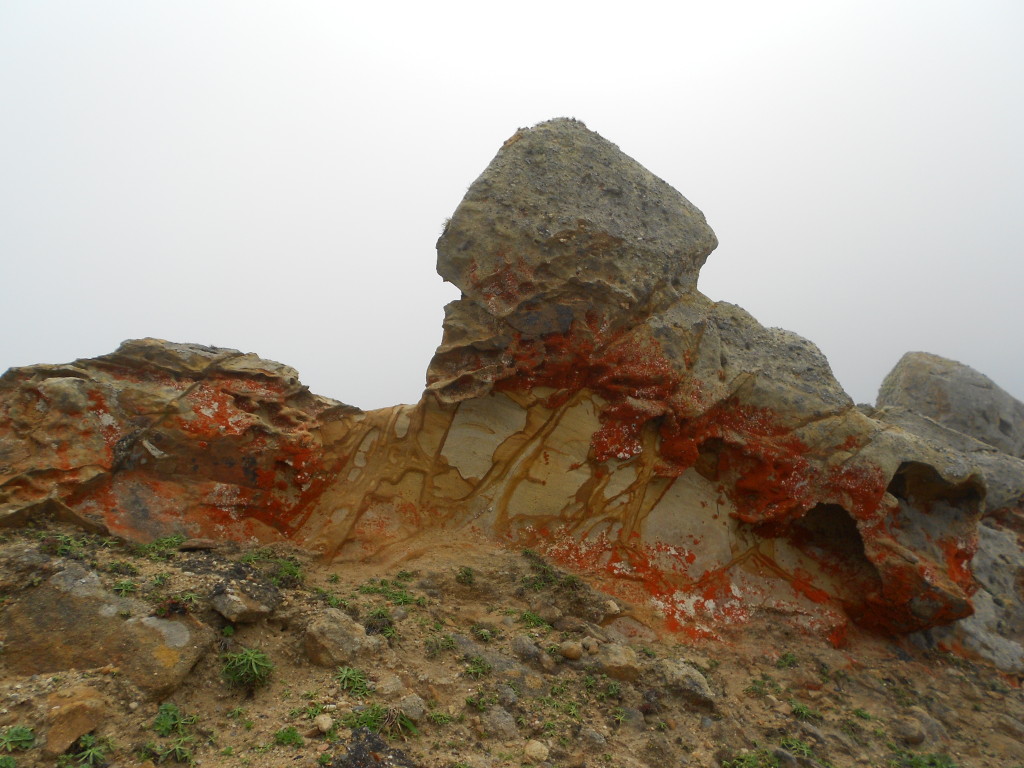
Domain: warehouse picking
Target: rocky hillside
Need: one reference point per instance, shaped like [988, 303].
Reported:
[459, 654]
[625, 524]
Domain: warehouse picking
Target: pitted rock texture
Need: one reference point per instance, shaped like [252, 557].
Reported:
[160, 438]
[562, 234]
[953, 406]
[956, 396]
[585, 401]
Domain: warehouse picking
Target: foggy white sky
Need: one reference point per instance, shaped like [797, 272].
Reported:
[273, 176]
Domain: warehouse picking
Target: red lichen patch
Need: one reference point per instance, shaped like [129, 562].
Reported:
[958, 555]
[107, 425]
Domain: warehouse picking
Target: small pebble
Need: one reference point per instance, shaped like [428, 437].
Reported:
[323, 723]
[535, 751]
[570, 649]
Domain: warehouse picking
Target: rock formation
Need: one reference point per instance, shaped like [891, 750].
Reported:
[951, 404]
[585, 400]
[956, 396]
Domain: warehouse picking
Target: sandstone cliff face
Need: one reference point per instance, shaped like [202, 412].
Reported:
[585, 401]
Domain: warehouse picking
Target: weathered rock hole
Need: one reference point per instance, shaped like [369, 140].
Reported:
[921, 487]
[829, 535]
[708, 458]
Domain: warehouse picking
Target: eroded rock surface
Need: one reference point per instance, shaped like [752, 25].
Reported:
[953, 406]
[69, 621]
[160, 438]
[585, 401]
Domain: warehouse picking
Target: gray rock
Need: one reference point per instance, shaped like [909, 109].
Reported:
[335, 639]
[956, 396]
[535, 751]
[685, 681]
[231, 602]
[499, 723]
[388, 685]
[618, 661]
[413, 707]
[71, 621]
[507, 696]
[571, 649]
[589, 228]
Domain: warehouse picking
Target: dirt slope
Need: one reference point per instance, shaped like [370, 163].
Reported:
[462, 654]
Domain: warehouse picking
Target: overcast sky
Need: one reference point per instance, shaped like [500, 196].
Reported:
[272, 176]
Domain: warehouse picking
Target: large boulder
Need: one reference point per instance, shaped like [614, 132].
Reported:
[956, 396]
[161, 438]
[69, 621]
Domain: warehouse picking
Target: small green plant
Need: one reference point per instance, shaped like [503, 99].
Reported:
[122, 568]
[353, 680]
[179, 750]
[160, 579]
[803, 712]
[170, 720]
[89, 750]
[17, 737]
[163, 548]
[228, 630]
[239, 714]
[481, 702]
[334, 578]
[759, 758]
[286, 572]
[439, 718]
[796, 746]
[63, 545]
[384, 720]
[434, 644]
[288, 737]
[613, 690]
[762, 687]
[619, 715]
[465, 575]
[331, 599]
[482, 633]
[786, 661]
[863, 714]
[228, 751]
[125, 587]
[248, 668]
[477, 667]
[377, 621]
[531, 619]
[324, 758]
[648, 652]
[6, 761]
